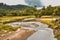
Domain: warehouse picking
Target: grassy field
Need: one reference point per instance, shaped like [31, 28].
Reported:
[15, 18]
[49, 20]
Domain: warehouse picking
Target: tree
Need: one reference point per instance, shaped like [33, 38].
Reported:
[43, 8]
[57, 12]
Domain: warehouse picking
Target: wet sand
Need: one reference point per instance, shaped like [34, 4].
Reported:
[18, 35]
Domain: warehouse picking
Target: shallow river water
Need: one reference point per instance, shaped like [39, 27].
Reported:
[42, 30]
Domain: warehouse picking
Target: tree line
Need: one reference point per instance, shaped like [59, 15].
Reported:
[49, 10]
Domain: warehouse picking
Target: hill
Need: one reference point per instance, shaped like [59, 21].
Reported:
[18, 7]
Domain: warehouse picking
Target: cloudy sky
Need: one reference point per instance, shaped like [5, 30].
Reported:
[44, 2]
[13, 2]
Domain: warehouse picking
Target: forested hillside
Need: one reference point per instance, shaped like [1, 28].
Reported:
[22, 10]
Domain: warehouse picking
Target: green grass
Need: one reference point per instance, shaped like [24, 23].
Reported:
[46, 21]
[47, 16]
[50, 23]
[14, 18]
[4, 28]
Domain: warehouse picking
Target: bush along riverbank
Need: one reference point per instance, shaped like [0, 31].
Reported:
[4, 29]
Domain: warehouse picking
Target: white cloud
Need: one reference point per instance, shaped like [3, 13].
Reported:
[13, 2]
[45, 2]
[51, 2]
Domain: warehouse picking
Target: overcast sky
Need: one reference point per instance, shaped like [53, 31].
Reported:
[45, 2]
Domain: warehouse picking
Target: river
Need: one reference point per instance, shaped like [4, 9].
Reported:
[42, 30]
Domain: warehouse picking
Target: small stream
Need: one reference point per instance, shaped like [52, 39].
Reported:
[42, 30]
